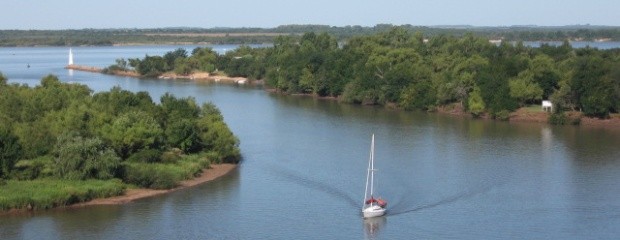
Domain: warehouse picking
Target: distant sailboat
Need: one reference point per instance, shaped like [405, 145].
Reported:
[70, 57]
[373, 207]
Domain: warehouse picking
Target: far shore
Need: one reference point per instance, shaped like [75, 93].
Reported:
[521, 115]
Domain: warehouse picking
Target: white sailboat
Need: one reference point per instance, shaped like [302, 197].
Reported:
[373, 207]
[70, 57]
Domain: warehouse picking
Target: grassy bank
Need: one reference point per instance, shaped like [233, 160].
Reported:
[49, 193]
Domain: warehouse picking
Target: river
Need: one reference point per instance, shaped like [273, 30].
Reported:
[304, 168]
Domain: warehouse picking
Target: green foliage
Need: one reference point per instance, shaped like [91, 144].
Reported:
[121, 65]
[57, 138]
[502, 115]
[79, 158]
[204, 59]
[184, 135]
[561, 118]
[164, 176]
[594, 83]
[10, 151]
[172, 56]
[49, 193]
[146, 156]
[108, 37]
[558, 119]
[475, 103]
[217, 137]
[3, 79]
[396, 66]
[131, 132]
[29, 169]
[60, 130]
[525, 89]
[150, 66]
[153, 175]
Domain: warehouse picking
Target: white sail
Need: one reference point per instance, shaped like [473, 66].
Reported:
[70, 56]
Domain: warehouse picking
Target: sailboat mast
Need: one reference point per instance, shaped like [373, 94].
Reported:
[372, 165]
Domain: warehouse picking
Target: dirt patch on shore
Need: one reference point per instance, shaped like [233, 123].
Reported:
[612, 123]
[205, 76]
[524, 115]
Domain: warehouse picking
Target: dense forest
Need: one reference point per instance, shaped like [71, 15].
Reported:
[60, 143]
[104, 37]
[402, 69]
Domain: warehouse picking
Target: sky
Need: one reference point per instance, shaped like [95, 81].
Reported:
[79, 14]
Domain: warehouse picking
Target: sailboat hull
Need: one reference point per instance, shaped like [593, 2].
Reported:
[373, 211]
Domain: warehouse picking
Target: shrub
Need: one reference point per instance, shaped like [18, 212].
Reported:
[165, 175]
[152, 175]
[558, 119]
[503, 115]
[170, 157]
[33, 168]
[146, 156]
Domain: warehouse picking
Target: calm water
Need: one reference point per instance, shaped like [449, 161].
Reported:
[303, 172]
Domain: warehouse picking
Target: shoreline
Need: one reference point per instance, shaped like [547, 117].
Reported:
[198, 76]
[518, 116]
[214, 172]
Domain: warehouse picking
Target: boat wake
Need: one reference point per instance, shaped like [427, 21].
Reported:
[402, 207]
[298, 178]
[399, 207]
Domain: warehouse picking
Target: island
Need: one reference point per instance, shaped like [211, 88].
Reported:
[61, 144]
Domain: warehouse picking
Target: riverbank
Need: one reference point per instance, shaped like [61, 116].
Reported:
[199, 76]
[535, 115]
[205, 76]
[214, 172]
[101, 70]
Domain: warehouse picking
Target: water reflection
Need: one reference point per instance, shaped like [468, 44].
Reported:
[373, 226]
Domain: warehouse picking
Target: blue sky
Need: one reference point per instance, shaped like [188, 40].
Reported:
[78, 14]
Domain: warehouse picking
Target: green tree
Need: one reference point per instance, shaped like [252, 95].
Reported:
[307, 82]
[10, 151]
[151, 66]
[216, 136]
[131, 132]
[545, 74]
[592, 86]
[183, 134]
[562, 97]
[79, 158]
[475, 102]
[524, 88]
[171, 57]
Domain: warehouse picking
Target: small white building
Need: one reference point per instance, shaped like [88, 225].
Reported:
[547, 106]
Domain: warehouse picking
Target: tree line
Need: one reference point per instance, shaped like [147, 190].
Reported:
[63, 131]
[406, 70]
[105, 37]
